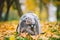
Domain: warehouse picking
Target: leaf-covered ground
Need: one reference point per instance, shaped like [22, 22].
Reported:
[51, 31]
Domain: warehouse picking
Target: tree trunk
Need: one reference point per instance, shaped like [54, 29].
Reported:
[1, 8]
[58, 11]
[9, 3]
[0, 13]
[7, 13]
[52, 12]
[41, 5]
[18, 6]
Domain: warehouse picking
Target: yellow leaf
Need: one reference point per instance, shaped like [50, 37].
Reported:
[12, 37]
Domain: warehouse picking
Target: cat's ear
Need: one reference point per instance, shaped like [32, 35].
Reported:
[22, 18]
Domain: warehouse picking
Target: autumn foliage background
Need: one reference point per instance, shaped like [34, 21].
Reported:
[11, 11]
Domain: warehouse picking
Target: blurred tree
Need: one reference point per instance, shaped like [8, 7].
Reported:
[1, 8]
[40, 2]
[18, 6]
[57, 3]
[43, 9]
[43, 3]
[58, 10]
[52, 9]
[9, 3]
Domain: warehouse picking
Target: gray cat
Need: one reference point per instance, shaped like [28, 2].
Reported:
[29, 23]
